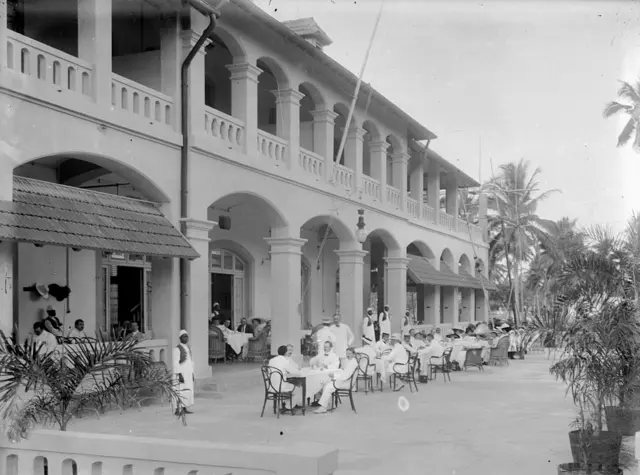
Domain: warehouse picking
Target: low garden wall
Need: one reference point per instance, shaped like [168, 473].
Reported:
[75, 453]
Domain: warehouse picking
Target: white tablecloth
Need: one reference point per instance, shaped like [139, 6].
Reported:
[237, 340]
[315, 379]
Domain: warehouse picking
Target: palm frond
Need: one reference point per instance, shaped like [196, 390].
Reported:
[613, 108]
[627, 132]
[628, 92]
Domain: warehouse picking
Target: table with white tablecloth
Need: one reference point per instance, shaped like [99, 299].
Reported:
[237, 340]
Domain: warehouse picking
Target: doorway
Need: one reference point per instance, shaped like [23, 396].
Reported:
[128, 285]
[222, 292]
[228, 284]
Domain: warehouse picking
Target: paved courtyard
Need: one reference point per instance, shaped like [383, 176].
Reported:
[479, 424]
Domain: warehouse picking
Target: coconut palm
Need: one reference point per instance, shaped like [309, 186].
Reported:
[631, 130]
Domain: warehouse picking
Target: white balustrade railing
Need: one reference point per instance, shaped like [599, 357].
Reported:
[54, 67]
[343, 176]
[462, 225]
[224, 128]
[272, 147]
[412, 207]
[141, 100]
[371, 187]
[393, 196]
[56, 452]
[312, 163]
[447, 220]
[428, 213]
[476, 232]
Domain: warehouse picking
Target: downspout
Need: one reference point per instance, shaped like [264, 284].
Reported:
[205, 10]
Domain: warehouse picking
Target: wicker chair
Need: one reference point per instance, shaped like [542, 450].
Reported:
[499, 354]
[273, 390]
[258, 348]
[473, 358]
[363, 373]
[442, 365]
[217, 345]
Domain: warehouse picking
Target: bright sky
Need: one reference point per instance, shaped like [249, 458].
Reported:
[525, 78]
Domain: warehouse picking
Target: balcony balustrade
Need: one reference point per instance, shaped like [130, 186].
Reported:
[228, 130]
[342, 176]
[312, 163]
[272, 147]
[412, 207]
[371, 187]
[393, 196]
[447, 221]
[134, 98]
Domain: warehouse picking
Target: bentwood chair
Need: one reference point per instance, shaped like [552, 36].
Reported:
[441, 365]
[363, 373]
[406, 372]
[473, 359]
[273, 379]
[335, 400]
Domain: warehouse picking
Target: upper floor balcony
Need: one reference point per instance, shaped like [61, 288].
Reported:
[252, 99]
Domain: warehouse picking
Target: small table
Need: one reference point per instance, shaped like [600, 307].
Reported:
[300, 381]
[318, 378]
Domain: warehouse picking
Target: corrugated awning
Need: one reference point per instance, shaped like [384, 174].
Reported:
[49, 213]
[470, 280]
[487, 283]
[421, 271]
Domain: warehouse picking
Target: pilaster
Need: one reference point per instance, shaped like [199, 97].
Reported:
[396, 288]
[7, 249]
[198, 294]
[417, 185]
[452, 198]
[351, 262]
[354, 154]
[286, 261]
[433, 188]
[170, 64]
[450, 303]
[323, 136]
[481, 308]
[378, 152]
[196, 74]
[94, 45]
[288, 121]
[399, 162]
[244, 101]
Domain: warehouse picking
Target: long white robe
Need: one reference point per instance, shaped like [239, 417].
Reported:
[385, 324]
[368, 331]
[406, 325]
[344, 339]
[186, 369]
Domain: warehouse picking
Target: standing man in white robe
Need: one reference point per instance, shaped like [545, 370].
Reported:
[344, 337]
[406, 323]
[325, 334]
[384, 321]
[185, 373]
[368, 329]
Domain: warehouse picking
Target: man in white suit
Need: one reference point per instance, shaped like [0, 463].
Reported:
[339, 380]
[344, 337]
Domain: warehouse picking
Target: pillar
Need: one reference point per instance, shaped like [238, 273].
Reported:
[379, 165]
[482, 314]
[366, 283]
[196, 72]
[244, 102]
[7, 249]
[451, 203]
[433, 188]
[396, 289]
[323, 130]
[467, 304]
[3, 33]
[198, 295]
[431, 304]
[354, 154]
[286, 259]
[482, 216]
[450, 304]
[399, 162]
[94, 45]
[351, 263]
[170, 64]
[288, 122]
[417, 185]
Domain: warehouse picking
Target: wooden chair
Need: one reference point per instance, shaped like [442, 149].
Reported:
[409, 375]
[217, 345]
[363, 373]
[273, 390]
[499, 354]
[335, 400]
[442, 365]
[258, 348]
[473, 359]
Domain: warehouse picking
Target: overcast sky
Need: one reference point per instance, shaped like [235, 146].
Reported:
[525, 78]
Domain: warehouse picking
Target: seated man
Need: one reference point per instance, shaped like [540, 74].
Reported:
[293, 366]
[340, 379]
[136, 334]
[419, 342]
[78, 330]
[327, 359]
[383, 346]
[45, 340]
[434, 349]
[438, 335]
[398, 359]
[282, 363]
[244, 327]
[407, 344]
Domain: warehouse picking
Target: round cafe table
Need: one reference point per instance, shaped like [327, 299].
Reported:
[311, 382]
[237, 341]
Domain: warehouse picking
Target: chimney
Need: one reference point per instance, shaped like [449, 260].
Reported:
[308, 29]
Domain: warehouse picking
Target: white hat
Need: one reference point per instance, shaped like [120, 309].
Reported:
[327, 320]
[503, 326]
[182, 332]
[395, 336]
[43, 290]
[369, 310]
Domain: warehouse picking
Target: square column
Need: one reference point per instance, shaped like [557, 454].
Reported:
[354, 154]
[244, 102]
[170, 63]
[417, 185]
[482, 311]
[3, 32]
[7, 248]
[94, 45]
[286, 261]
[351, 263]
[452, 199]
[450, 304]
[379, 165]
[399, 162]
[396, 289]
[323, 131]
[433, 188]
[198, 295]
[196, 73]
[288, 121]
[467, 304]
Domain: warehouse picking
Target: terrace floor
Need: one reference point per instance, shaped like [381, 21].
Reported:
[479, 424]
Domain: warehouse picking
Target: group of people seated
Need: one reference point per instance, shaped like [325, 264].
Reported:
[219, 321]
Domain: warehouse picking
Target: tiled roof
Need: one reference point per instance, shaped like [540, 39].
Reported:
[422, 272]
[48, 213]
[487, 283]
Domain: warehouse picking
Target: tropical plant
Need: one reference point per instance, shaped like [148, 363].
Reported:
[630, 94]
[50, 388]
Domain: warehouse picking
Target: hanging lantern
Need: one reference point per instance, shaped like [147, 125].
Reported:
[361, 233]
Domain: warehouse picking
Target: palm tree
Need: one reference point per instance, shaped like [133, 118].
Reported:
[631, 94]
[513, 219]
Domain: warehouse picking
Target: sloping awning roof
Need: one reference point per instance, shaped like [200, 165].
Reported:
[422, 272]
[471, 281]
[48, 213]
[487, 283]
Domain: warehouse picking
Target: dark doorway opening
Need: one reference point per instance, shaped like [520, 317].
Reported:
[130, 301]
[222, 293]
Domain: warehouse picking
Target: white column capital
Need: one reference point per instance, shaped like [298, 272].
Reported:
[284, 96]
[351, 256]
[400, 157]
[396, 262]
[356, 132]
[286, 245]
[379, 146]
[244, 71]
[197, 229]
[190, 38]
[324, 116]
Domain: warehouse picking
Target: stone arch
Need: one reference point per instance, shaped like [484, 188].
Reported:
[480, 267]
[69, 467]
[312, 101]
[233, 44]
[137, 178]
[314, 94]
[465, 263]
[420, 248]
[446, 256]
[273, 67]
[345, 235]
[223, 52]
[238, 199]
[395, 142]
[391, 243]
[372, 131]
[12, 464]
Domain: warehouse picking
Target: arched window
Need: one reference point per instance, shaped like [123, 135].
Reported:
[228, 284]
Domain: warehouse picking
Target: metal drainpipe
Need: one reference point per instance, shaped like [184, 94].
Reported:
[184, 157]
